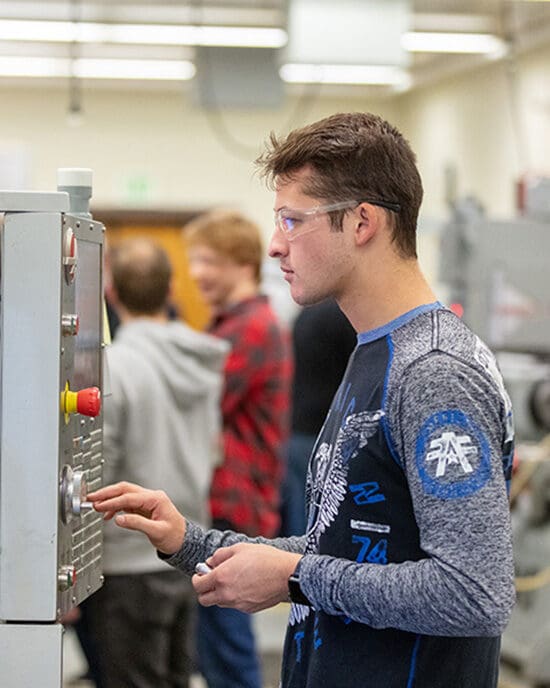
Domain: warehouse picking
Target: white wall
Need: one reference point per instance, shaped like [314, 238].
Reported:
[475, 124]
[468, 122]
[162, 138]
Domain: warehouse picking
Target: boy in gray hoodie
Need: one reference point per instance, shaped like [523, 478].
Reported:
[162, 427]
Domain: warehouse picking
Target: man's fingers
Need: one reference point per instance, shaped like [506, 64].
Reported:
[222, 554]
[202, 584]
[148, 511]
[112, 491]
[153, 529]
[207, 592]
[209, 599]
[131, 501]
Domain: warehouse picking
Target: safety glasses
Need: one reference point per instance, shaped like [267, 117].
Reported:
[295, 223]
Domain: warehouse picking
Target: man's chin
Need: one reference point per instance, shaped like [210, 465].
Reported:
[306, 299]
[210, 299]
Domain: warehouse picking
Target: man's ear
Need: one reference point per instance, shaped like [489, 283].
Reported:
[366, 223]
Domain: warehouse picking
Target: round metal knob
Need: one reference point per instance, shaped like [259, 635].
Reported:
[70, 324]
[66, 577]
[73, 494]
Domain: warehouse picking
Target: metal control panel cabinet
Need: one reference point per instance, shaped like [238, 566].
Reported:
[51, 358]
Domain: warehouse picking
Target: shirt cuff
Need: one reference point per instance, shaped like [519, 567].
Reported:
[190, 553]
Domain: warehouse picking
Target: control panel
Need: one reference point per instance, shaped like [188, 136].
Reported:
[80, 421]
[51, 429]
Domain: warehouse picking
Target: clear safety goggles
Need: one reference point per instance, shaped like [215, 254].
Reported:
[294, 223]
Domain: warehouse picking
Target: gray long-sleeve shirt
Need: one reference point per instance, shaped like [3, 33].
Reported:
[407, 558]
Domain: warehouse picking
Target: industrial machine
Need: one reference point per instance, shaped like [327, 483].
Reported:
[51, 364]
[497, 278]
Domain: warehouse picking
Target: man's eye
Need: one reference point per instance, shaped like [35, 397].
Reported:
[291, 223]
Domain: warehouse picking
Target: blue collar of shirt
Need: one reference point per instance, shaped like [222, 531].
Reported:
[383, 330]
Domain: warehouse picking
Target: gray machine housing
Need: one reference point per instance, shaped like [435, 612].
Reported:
[497, 271]
[51, 333]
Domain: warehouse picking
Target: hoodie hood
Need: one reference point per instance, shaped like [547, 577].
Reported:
[189, 362]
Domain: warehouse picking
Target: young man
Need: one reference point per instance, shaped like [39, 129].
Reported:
[225, 255]
[162, 424]
[404, 577]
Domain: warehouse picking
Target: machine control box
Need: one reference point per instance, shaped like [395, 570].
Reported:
[51, 429]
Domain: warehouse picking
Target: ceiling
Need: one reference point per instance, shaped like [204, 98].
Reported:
[521, 24]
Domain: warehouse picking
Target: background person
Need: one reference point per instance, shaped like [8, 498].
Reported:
[322, 341]
[405, 575]
[225, 255]
[161, 428]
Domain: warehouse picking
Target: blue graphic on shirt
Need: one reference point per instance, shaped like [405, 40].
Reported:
[327, 481]
[452, 455]
[298, 638]
[367, 493]
[317, 640]
[373, 554]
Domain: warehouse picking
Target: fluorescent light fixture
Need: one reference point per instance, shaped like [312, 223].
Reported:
[52, 67]
[152, 34]
[343, 74]
[361, 32]
[434, 42]
[169, 70]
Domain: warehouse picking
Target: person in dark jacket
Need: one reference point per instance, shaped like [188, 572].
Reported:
[323, 340]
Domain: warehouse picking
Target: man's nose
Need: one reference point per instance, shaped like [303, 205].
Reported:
[195, 269]
[278, 245]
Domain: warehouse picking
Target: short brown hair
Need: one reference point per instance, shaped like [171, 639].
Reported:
[229, 233]
[141, 272]
[353, 156]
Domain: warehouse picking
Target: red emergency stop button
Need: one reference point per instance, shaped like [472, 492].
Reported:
[85, 401]
[88, 401]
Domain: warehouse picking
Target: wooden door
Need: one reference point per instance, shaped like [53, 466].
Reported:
[166, 229]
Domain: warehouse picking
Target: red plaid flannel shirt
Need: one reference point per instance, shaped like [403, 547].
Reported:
[256, 407]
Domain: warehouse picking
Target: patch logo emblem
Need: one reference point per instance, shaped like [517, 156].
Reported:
[451, 448]
[452, 455]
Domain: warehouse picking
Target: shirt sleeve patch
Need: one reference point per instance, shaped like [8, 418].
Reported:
[452, 455]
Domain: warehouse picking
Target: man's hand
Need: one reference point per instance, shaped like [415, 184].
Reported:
[149, 511]
[247, 577]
